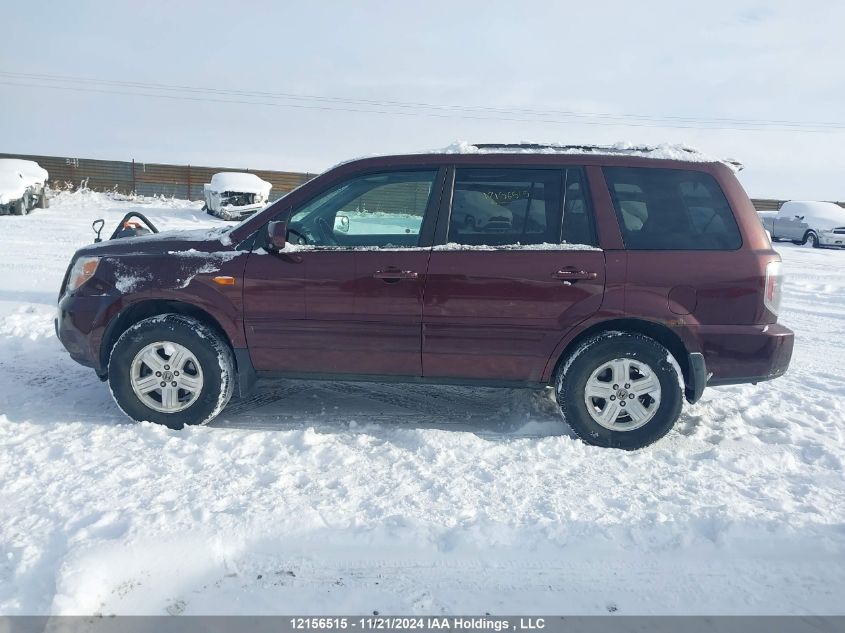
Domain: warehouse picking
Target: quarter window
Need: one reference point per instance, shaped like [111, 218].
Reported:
[671, 209]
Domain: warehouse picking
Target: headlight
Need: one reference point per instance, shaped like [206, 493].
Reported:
[83, 269]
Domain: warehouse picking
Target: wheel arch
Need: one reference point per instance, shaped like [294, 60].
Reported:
[657, 331]
[141, 310]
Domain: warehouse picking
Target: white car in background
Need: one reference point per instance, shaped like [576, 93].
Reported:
[807, 222]
[23, 186]
[235, 195]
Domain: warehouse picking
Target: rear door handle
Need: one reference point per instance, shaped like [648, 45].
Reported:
[394, 274]
[572, 274]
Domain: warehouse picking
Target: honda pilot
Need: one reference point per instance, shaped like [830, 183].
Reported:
[626, 280]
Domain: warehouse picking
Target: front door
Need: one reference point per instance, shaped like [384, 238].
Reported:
[346, 297]
[516, 273]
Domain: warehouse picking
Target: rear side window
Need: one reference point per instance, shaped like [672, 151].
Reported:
[499, 207]
[671, 209]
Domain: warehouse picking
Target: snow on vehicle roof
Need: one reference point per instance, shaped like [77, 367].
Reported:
[826, 211]
[663, 151]
[29, 169]
[240, 182]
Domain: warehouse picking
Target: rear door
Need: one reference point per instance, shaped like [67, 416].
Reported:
[516, 268]
[348, 300]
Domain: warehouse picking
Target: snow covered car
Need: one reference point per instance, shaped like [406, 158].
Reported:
[626, 280]
[23, 186]
[234, 195]
[807, 222]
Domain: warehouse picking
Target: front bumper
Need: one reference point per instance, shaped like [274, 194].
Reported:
[80, 323]
[736, 354]
[832, 239]
[238, 213]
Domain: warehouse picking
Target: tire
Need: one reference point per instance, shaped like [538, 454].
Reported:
[149, 345]
[19, 207]
[595, 362]
[812, 239]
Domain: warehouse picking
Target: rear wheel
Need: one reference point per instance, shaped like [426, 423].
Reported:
[619, 390]
[172, 370]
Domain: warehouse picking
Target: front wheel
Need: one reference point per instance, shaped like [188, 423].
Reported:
[619, 390]
[172, 370]
[812, 239]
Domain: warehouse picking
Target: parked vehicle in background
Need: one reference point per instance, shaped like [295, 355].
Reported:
[807, 222]
[23, 186]
[626, 280]
[234, 195]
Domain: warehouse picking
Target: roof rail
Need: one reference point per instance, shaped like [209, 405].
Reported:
[601, 149]
[598, 149]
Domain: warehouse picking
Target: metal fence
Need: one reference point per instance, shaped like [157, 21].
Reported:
[150, 179]
[184, 181]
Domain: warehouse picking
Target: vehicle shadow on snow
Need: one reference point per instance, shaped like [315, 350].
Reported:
[329, 406]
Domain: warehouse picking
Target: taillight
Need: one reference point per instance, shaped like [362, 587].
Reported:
[774, 284]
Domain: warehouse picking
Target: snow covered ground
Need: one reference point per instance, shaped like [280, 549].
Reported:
[353, 498]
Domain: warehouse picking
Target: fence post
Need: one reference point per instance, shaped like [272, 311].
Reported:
[134, 186]
[189, 183]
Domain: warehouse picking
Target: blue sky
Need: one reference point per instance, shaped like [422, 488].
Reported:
[700, 63]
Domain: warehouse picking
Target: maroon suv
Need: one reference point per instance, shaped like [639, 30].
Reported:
[625, 281]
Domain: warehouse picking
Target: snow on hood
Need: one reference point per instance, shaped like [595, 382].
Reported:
[31, 171]
[240, 182]
[12, 185]
[214, 238]
[819, 215]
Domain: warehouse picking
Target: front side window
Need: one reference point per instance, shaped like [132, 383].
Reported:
[383, 210]
[671, 209]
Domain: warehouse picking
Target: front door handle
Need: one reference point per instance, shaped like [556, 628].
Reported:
[394, 274]
[573, 274]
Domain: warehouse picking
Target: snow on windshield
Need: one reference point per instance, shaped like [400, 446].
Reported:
[12, 185]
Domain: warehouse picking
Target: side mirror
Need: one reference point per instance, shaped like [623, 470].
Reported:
[277, 235]
[341, 223]
[799, 217]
